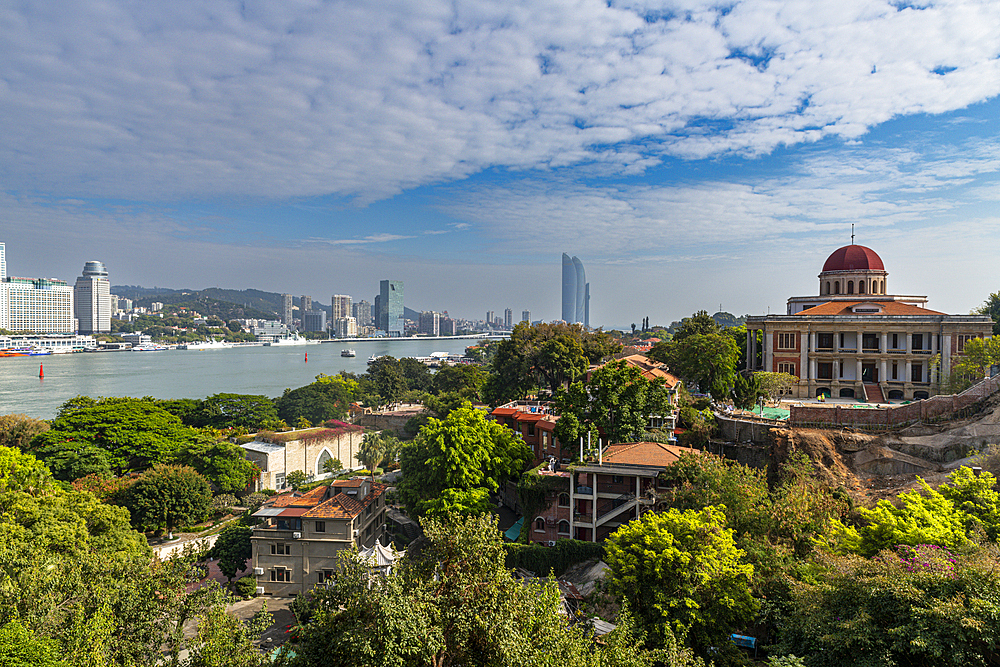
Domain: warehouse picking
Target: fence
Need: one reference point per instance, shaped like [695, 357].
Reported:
[894, 416]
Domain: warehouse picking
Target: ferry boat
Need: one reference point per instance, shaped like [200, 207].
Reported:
[375, 357]
[149, 347]
[348, 353]
[205, 345]
[294, 339]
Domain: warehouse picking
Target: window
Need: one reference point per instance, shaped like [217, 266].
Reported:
[281, 549]
[279, 480]
[324, 575]
[539, 525]
[963, 339]
[786, 368]
[563, 500]
[895, 341]
[617, 479]
[531, 429]
[918, 341]
[850, 287]
[824, 370]
[836, 287]
[289, 524]
[824, 340]
[281, 574]
[917, 373]
[564, 527]
[786, 341]
[545, 439]
[861, 287]
[321, 526]
[895, 370]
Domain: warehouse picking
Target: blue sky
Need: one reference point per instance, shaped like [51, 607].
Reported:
[692, 154]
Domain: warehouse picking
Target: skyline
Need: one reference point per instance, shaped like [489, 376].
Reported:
[696, 156]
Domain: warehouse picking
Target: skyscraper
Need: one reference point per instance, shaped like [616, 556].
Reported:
[4, 306]
[92, 299]
[305, 304]
[362, 312]
[390, 304]
[575, 291]
[341, 307]
[430, 323]
[526, 316]
[286, 310]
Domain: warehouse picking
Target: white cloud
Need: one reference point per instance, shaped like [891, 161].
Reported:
[170, 100]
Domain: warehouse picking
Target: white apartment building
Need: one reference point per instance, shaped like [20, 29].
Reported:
[92, 299]
[39, 305]
[341, 307]
[346, 327]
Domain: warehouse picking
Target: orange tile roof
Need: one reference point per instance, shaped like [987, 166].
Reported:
[650, 369]
[342, 506]
[307, 499]
[888, 308]
[645, 453]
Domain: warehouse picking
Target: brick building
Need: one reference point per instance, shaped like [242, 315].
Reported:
[854, 340]
[536, 425]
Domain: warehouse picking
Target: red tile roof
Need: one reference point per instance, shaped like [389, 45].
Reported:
[645, 453]
[343, 506]
[888, 307]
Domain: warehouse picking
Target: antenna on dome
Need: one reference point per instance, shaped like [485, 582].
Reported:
[852, 233]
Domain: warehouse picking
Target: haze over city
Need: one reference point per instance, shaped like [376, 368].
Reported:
[693, 155]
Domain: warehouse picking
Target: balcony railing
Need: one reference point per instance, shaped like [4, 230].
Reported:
[584, 491]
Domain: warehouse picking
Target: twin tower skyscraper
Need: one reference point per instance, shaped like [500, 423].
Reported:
[575, 292]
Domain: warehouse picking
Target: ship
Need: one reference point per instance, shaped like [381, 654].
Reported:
[348, 353]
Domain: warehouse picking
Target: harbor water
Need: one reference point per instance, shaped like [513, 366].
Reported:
[192, 373]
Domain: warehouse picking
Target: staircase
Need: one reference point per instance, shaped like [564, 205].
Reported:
[874, 394]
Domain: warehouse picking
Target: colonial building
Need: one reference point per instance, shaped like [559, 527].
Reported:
[855, 340]
[296, 544]
[598, 497]
[308, 450]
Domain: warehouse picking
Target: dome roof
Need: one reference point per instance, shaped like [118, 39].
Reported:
[853, 258]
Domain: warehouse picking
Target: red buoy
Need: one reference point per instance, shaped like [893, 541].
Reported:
[307, 357]
[41, 371]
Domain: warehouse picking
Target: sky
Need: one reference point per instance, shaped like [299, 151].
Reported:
[694, 155]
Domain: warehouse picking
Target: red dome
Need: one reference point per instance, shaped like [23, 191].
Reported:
[853, 258]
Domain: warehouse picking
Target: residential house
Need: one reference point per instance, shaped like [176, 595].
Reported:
[296, 544]
[308, 450]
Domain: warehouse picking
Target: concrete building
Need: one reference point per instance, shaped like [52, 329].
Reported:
[508, 318]
[286, 310]
[39, 305]
[390, 307]
[306, 450]
[269, 331]
[430, 323]
[314, 320]
[855, 340]
[491, 318]
[92, 299]
[526, 316]
[362, 312]
[305, 305]
[4, 304]
[346, 327]
[446, 326]
[340, 307]
[296, 545]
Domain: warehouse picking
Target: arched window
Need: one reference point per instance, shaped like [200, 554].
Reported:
[836, 287]
[540, 524]
[564, 527]
[850, 287]
[563, 500]
[881, 287]
[861, 287]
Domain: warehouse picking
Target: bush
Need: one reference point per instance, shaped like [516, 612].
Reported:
[222, 502]
[246, 587]
[542, 560]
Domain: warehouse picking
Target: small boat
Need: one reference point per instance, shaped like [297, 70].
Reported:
[348, 353]
[375, 357]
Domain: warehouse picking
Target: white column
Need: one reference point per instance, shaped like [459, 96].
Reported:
[881, 372]
[857, 373]
[812, 369]
[804, 357]
[768, 360]
[908, 375]
[909, 344]
[885, 342]
[750, 354]
[945, 355]
[812, 341]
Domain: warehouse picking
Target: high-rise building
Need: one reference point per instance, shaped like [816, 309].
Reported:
[286, 310]
[4, 312]
[508, 318]
[39, 305]
[340, 307]
[526, 316]
[92, 299]
[446, 327]
[362, 312]
[346, 327]
[575, 291]
[491, 316]
[305, 304]
[430, 323]
[314, 320]
[390, 314]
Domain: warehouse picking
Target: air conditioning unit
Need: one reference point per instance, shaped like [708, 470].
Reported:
[258, 571]
[296, 536]
[260, 590]
[356, 531]
[551, 543]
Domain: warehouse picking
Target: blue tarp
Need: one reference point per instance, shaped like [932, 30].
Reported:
[515, 530]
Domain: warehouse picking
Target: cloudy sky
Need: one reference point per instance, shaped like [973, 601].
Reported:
[692, 154]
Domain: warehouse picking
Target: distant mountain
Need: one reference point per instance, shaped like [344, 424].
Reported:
[222, 303]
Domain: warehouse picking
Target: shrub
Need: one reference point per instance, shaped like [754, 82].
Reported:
[543, 560]
[246, 587]
[222, 502]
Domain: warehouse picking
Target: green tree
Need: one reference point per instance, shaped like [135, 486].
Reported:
[617, 400]
[991, 307]
[387, 379]
[455, 603]
[18, 430]
[133, 434]
[455, 463]
[233, 548]
[376, 448]
[774, 385]
[329, 397]
[747, 390]
[19, 647]
[295, 479]
[417, 375]
[976, 496]
[699, 324]
[222, 462]
[706, 360]
[332, 466]
[168, 496]
[465, 379]
[977, 357]
[683, 571]
[237, 411]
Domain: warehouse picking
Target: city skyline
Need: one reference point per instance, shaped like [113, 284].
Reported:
[717, 150]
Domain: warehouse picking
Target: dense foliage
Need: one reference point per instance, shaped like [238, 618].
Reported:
[167, 496]
[329, 397]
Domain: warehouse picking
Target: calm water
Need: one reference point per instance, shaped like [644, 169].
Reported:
[190, 373]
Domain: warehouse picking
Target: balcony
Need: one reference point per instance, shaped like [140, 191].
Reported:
[871, 350]
[921, 351]
[584, 491]
[896, 351]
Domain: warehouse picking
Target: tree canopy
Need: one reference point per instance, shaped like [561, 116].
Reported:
[454, 463]
[706, 360]
[167, 496]
[329, 397]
